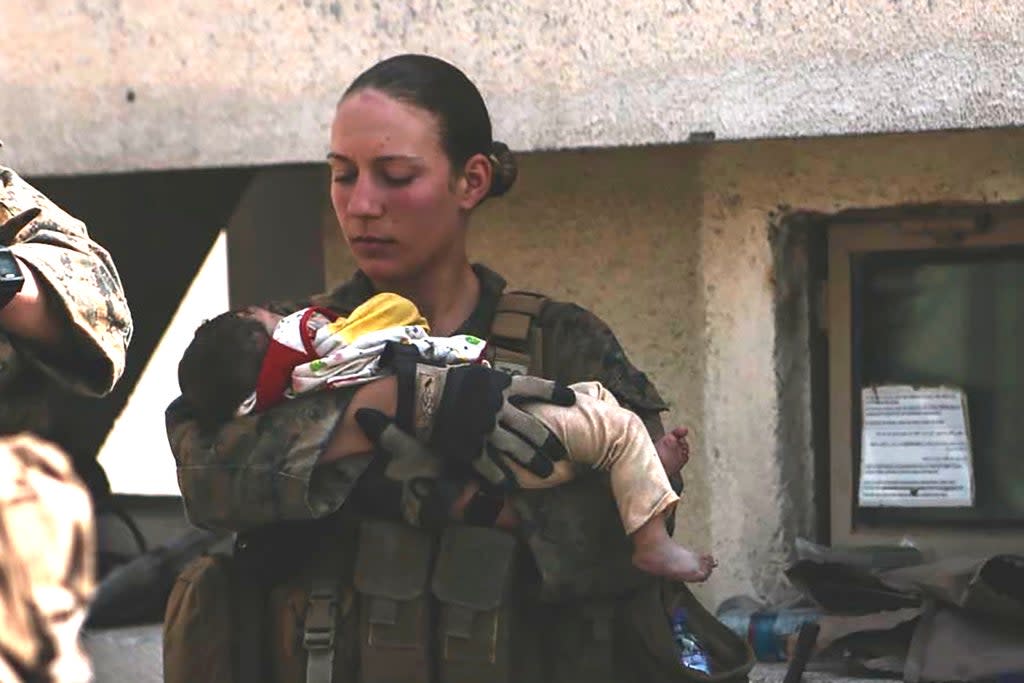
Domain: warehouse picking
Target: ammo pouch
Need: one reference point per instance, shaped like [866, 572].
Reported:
[476, 625]
[394, 612]
[584, 636]
[198, 642]
[312, 621]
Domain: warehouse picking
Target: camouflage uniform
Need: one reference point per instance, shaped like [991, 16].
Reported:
[46, 532]
[79, 277]
[259, 469]
[46, 563]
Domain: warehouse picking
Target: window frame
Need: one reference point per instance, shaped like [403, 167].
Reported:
[936, 228]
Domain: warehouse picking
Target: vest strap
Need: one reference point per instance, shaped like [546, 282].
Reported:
[516, 342]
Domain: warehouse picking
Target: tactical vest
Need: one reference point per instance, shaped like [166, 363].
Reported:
[343, 600]
[516, 342]
[406, 584]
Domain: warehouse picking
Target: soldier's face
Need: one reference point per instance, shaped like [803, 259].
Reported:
[400, 208]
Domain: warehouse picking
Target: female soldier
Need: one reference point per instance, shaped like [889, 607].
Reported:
[411, 157]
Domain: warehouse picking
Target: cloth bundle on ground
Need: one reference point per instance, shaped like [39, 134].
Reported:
[959, 619]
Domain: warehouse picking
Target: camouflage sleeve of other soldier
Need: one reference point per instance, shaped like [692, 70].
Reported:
[71, 322]
[71, 318]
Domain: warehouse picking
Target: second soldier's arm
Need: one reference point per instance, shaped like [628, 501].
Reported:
[71, 318]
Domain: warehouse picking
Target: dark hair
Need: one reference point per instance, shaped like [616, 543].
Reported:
[221, 366]
[443, 90]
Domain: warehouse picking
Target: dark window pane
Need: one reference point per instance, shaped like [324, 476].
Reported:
[944, 317]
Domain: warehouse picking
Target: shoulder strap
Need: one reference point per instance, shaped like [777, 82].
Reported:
[516, 341]
[320, 628]
[327, 602]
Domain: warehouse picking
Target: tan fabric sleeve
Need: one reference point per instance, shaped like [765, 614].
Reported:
[83, 283]
[47, 551]
[600, 435]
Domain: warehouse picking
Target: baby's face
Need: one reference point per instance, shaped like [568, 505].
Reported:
[268, 319]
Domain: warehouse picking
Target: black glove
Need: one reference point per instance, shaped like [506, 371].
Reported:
[427, 493]
[479, 421]
[519, 436]
[428, 486]
[471, 415]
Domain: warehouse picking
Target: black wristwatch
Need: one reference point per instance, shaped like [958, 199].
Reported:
[11, 277]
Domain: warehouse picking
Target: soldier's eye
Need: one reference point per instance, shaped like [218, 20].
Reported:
[398, 181]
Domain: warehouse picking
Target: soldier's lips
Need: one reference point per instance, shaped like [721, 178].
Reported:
[372, 239]
[372, 245]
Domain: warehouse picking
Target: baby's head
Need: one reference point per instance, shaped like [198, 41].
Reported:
[221, 366]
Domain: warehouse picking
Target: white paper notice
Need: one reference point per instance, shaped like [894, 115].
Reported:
[915, 448]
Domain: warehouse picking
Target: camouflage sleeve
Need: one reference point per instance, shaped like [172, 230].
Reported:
[81, 281]
[579, 346]
[262, 468]
[47, 546]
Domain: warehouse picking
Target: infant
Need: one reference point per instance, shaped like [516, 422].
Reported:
[247, 361]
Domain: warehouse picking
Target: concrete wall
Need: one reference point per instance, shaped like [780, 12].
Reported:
[756, 424]
[682, 250]
[105, 85]
[274, 235]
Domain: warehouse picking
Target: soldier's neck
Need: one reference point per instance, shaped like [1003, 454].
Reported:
[445, 297]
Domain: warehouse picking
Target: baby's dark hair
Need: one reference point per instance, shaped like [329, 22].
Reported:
[221, 366]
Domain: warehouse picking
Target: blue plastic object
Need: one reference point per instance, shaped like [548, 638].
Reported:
[691, 652]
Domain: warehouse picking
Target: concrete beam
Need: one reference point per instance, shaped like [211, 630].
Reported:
[114, 85]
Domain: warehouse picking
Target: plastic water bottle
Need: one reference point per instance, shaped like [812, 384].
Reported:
[770, 632]
[691, 652]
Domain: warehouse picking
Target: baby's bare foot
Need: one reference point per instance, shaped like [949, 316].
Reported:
[674, 562]
[673, 450]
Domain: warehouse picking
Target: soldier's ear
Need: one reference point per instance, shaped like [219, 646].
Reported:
[474, 184]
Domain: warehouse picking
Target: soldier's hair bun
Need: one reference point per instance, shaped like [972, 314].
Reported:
[505, 169]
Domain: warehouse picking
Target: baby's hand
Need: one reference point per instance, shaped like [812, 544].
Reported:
[673, 450]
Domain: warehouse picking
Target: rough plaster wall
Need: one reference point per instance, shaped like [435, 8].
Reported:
[103, 85]
[747, 426]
